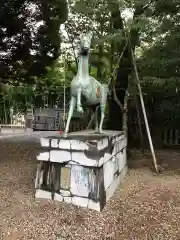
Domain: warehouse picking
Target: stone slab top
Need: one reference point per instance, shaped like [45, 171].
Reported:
[86, 135]
[83, 140]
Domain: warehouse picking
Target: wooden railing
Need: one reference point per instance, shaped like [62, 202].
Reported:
[171, 137]
[12, 127]
[77, 126]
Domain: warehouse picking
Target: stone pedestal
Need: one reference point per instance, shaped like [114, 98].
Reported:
[84, 169]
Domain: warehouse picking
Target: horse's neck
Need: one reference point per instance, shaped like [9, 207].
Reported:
[83, 69]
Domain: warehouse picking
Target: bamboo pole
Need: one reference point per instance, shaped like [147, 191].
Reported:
[144, 112]
[139, 123]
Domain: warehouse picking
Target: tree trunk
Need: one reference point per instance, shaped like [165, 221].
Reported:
[99, 72]
[5, 113]
[100, 55]
[112, 49]
[124, 70]
[125, 114]
[121, 83]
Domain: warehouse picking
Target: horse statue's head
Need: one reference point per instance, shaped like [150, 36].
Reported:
[85, 43]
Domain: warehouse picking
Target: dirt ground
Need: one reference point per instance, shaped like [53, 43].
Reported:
[145, 206]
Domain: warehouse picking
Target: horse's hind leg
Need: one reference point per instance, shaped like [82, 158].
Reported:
[96, 119]
[71, 110]
[94, 116]
[91, 120]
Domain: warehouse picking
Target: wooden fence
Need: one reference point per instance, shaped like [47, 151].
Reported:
[171, 137]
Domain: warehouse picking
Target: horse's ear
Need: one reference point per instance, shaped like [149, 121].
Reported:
[90, 35]
[82, 36]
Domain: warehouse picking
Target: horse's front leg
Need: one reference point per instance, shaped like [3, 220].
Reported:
[104, 93]
[70, 113]
[79, 105]
[103, 106]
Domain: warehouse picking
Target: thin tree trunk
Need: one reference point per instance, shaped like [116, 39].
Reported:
[5, 113]
[73, 48]
[125, 114]
[115, 120]
[135, 98]
[99, 72]
[125, 65]
[112, 48]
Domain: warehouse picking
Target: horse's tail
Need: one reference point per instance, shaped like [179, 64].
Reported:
[106, 87]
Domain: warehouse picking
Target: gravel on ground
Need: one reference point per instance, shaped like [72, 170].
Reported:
[145, 206]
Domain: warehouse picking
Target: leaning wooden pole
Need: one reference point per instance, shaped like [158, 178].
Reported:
[139, 123]
[144, 112]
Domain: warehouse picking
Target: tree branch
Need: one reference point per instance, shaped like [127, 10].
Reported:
[117, 100]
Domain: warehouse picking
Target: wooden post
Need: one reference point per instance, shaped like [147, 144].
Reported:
[144, 112]
[139, 123]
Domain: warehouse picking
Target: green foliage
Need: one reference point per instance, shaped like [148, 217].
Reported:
[163, 96]
[32, 52]
[161, 55]
[29, 37]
